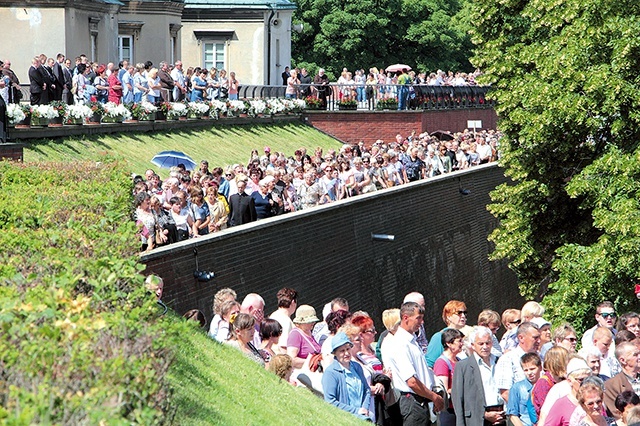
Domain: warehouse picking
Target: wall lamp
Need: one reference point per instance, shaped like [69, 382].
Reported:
[202, 276]
[382, 237]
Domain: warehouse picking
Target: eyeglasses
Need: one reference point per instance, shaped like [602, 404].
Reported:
[570, 339]
[606, 315]
[372, 331]
[592, 403]
[515, 322]
[460, 313]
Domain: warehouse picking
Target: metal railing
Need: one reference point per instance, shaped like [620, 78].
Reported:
[369, 97]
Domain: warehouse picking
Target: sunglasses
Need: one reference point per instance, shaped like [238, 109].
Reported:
[460, 313]
[606, 315]
[571, 339]
[515, 322]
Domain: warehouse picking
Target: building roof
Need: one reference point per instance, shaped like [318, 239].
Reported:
[240, 4]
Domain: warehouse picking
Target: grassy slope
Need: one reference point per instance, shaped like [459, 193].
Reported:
[220, 145]
[217, 385]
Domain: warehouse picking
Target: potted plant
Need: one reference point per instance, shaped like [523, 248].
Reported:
[217, 108]
[347, 104]
[234, 108]
[177, 111]
[61, 108]
[77, 114]
[97, 111]
[163, 110]
[257, 107]
[275, 106]
[144, 111]
[197, 110]
[311, 102]
[115, 113]
[42, 114]
[387, 104]
[17, 115]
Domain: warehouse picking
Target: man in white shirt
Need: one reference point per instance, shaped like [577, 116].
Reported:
[605, 317]
[179, 88]
[411, 376]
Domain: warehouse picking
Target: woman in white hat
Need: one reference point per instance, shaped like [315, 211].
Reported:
[301, 343]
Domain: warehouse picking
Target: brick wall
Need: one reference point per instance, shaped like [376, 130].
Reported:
[354, 126]
[440, 249]
[11, 151]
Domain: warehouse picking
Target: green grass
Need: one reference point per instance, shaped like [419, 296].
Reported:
[217, 385]
[220, 145]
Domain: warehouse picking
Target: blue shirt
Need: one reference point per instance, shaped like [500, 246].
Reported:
[519, 395]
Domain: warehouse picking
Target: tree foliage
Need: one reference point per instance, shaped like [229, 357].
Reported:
[427, 34]
[566, 80]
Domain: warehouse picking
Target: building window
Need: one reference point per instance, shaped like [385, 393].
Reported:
[125, 48]
[174, 43]
[214, 55]
[94, 47]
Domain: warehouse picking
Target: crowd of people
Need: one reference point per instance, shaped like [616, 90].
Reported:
[57, 79]
[464, 374]
[188, 205]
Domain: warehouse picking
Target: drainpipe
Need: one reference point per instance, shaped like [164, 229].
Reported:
[273, 12]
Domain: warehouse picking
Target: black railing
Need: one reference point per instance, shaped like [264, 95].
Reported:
[372, 97]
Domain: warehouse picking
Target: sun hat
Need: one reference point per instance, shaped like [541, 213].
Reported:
[577, 364]
[305, 314]
[540, 322]
[338, 340]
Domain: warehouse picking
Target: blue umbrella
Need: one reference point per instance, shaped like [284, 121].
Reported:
[168, 159]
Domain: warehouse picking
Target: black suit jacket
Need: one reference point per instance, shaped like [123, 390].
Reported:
[36, 80]
[242, 209]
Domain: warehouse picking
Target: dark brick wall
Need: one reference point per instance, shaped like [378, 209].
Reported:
[11, 151]
[354, 126]
[440, 249]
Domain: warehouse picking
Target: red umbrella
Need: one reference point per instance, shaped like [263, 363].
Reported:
[398, 67]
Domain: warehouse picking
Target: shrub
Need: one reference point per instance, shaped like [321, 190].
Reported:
[82, 340]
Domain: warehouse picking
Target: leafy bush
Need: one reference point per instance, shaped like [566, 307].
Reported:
[82, 340]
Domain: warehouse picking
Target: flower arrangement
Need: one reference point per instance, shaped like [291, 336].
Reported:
[388, 103]
[165, 107]
[275, 106]
[143, 110]
[60, 107]
[299, 105]
[311, 102]
[44, 111]
[198, 109]
[178, 109]
[256, 106]
[116, 111]
[97, 108]
[234, 107]
[217, 108]
[15, 113]
[348, 103]
[77, 113]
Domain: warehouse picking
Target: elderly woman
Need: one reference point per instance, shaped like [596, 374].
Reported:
[218, 211]
[301, 344]
[368, 335]
[164, 222]
[262, 198]
[221, 296]
[590, 398]
[444, 368]
[511, 320]
[343, 381]
[242, 331]
[454, 315]
[334, 321]
[154, 86]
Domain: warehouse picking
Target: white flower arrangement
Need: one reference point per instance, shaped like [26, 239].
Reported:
[218, 106]
[257, 106]
[117, 110]
[44, 111]
[148, 107]
[178, 109]
[15, 113]
[237, 106]
[299, 104]
[79, 111]
[199, 108]
[275, 105]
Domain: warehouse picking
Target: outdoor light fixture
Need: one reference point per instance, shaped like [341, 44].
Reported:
[382, 237]
[465, 191]
[202, 276]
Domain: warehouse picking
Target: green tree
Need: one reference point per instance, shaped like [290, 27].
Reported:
[566, 80]
[429, 34]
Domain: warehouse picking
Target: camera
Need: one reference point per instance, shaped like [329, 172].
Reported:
[203, 276]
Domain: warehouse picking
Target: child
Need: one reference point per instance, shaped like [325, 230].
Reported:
[520, 393]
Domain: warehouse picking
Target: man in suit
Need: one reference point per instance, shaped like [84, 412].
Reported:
[627, 354]
[58, 74]
[67, 96]
[285, 76]
[37, 84]
[305, 82]
[242, 207]
[476, 397]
